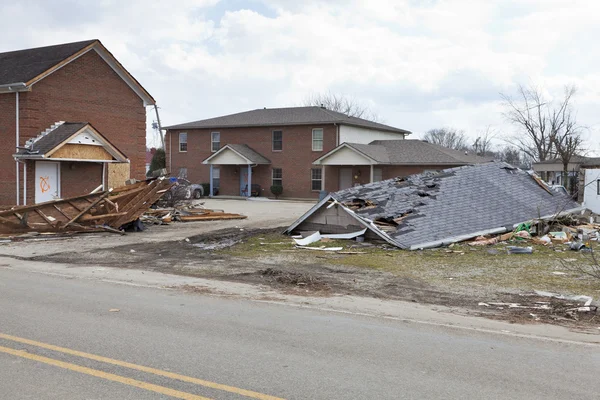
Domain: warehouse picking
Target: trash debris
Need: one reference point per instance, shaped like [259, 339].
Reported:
[114, 310]
[519, 250]
[162, 216]
[320, 248]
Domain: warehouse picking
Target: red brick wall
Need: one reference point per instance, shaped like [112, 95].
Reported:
[86, 90]
[77, 178]
[7, 163]
[295, 159]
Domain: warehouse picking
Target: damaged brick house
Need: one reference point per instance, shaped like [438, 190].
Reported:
[304, 149]
[72, 118]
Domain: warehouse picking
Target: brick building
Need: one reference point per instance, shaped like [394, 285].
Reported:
[304, 149]
[267, 146]
[83, 86]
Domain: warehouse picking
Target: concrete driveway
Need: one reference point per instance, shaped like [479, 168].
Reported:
[261, 214]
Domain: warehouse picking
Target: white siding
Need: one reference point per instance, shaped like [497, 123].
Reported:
[591, 198]
[346, 156]
[354, 134]
[227, 157]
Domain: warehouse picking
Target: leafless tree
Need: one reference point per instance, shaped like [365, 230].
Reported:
[483, 144]
[343, 104]
[529, 114]
[447, 137]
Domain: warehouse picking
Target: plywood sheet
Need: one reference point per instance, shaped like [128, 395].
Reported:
[118, 173]
[82, 152]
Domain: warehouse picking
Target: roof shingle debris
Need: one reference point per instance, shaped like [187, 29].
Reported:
[434, 209]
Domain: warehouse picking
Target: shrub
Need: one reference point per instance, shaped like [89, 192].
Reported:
[158, 161]
[277, 190]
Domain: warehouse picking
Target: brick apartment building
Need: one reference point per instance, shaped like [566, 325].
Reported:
[101, 135]
[304, 149]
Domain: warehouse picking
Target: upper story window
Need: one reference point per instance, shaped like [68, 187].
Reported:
[183, 141]
[317, 139]
[215, 141]
[277, 140]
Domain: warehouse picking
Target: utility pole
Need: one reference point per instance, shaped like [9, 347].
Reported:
[162, 139]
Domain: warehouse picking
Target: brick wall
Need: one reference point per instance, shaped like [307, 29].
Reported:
[85, 90]
[295, 159]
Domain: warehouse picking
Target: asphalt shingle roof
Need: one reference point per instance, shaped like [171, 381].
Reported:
[24, 65]
[285, 117]
[455, 203]
[47, 142]
[399, 152]
[250, 153]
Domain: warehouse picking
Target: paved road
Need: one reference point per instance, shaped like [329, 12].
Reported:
[172, 344]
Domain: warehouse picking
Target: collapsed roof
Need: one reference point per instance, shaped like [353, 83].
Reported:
[435, 209]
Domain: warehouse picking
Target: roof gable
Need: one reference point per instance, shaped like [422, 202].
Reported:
[288, 116]
[21, 69]
[236, 154]
[64, 134]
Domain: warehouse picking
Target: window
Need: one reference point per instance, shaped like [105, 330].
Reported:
[316, 179]
[182, 173]
[182, 141]
[215, 141]
[317, 139]
[277, 177]
[277, 140]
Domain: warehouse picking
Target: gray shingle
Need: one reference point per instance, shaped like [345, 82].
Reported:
[249, 153]
[284, 117]
[464, 201]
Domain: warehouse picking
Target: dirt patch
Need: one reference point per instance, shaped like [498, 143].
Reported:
[461, 276]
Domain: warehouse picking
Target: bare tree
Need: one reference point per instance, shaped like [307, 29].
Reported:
[343, 104]
[483, 144]
[529, 113]
[447, 137]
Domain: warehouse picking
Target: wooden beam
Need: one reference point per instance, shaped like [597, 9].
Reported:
[86, 209]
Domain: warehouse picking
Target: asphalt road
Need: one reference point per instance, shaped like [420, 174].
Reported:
[59, 339]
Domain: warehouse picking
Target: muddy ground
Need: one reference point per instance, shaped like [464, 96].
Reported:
[483, 281]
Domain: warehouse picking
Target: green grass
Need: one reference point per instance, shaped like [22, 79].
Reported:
[464, 268]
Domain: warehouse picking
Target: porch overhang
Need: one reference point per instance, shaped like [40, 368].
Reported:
[236, 154]
[345, 154]
[71, 142]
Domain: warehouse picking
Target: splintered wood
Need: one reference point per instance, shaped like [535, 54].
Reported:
[102, 211]
[166, 215]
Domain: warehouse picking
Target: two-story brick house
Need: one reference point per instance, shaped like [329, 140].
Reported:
[267, 146]
[95, 101]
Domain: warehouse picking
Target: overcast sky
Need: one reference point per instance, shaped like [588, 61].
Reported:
[419, 64]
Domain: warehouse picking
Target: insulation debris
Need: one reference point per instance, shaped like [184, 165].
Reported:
[434, 209]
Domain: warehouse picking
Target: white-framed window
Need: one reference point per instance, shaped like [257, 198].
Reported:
[317, 139]
[215, 141]
[182, 173]
[183, 141]
[316, 179]
[277, 140]
[277, 177]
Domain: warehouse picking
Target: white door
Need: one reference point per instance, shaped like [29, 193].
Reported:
[47, 180]
[345, 178]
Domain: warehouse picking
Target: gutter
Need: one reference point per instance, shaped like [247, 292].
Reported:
[13, 87]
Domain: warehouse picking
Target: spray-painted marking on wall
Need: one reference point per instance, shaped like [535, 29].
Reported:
[44, 183]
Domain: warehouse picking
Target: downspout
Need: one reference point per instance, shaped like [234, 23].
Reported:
[17, 142]
[337, 134]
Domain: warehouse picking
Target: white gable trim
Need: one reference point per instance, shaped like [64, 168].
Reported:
[323, 159]
[238, 160]
[86, 136]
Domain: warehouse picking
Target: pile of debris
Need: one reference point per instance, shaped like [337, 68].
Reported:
[435, 209]
[101, 211]
[164, 216]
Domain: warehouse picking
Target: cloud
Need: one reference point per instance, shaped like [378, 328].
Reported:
[420, 64]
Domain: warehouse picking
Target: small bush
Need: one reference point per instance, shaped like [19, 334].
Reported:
[158, 161]
[276, 190]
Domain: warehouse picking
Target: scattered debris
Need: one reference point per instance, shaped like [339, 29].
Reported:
[519, 250]
[114, 310]
[163, 216]
[101, 211]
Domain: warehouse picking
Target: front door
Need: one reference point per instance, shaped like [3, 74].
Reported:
[345, 178]
[243, 181]
[47, 180]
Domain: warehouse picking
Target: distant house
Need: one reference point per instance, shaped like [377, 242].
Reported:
[352, 164]
[71, 118]
[265, 147]
[552, 170]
